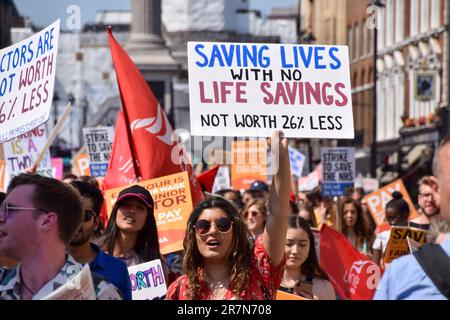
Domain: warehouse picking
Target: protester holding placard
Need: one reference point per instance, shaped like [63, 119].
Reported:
[303, 275]
[38, 218]
[355, 226]
[131, 234]
[84, 251]
[220, 262]
[255, 216]
[425, 274]
[396, 213]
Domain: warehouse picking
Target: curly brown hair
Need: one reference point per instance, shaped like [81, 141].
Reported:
[238, 260]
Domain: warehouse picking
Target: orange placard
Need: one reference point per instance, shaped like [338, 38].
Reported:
[376, 201]
[80, 165]
[173, 206]
[2, 175]
[249, 163]
[281, 295]
[398, 245]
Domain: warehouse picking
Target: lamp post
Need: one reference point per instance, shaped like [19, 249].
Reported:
[373, 149]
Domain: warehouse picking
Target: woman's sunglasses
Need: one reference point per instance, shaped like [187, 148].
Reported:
[223, 225]
[254, 214]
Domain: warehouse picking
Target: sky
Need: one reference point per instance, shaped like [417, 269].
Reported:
[44, 12]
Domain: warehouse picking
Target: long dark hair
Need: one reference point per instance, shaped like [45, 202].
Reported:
[147, 243]
[311, 267]
[239, 258]
[361, 228]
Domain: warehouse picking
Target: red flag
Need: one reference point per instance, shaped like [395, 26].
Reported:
[120, 168]
[206, 179]
[147, 142]
[353, 275]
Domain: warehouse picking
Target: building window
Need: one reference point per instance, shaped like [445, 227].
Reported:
[414, 19]
[364, 32]
[389, 22]
[381, 32]
[399, 20]
[424, 15]
[356, 43]
[371, 40]
[435, 13]
[350, 42]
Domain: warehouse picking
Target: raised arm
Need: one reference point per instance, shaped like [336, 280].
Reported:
[274, 236]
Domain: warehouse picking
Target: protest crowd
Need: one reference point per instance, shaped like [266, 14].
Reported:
[160, 231]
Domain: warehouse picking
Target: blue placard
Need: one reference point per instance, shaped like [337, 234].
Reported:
[335, 189]
[98, 169]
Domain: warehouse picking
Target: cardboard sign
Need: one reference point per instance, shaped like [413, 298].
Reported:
[27, 78]
[338, 165]
[250, 90]
[249, 163]
[147, 281]
[297, 160]
[397, 245]
[22, 151]
[79, 287]
[57, 168]
[173, 206]
[99, 145]
[377, 200]
[222, 180]
[80, 165]
[281, 295]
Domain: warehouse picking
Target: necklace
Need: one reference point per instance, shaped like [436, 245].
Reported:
[218, 285]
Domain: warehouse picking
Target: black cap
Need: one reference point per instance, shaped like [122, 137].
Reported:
[259, 186]
[138, 192]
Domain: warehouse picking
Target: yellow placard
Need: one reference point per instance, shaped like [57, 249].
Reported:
[173, 206]
[281, 295]
[376, 201]
[397, 245]
[249, 163]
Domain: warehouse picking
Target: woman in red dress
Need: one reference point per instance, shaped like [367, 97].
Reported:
[221, 261]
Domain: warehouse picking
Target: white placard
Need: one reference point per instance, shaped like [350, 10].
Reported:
[99, 145]
[79, 287]
[27, 78]
[248, 89]
[22, 152]
[147, 281]
[297, 160]
[338, 165]
[222, 179]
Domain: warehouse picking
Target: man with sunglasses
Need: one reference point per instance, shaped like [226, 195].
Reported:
[84, 251]
[38, 218]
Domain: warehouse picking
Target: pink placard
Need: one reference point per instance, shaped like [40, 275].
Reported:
[57, 168]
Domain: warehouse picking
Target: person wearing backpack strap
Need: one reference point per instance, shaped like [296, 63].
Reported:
[426, 274]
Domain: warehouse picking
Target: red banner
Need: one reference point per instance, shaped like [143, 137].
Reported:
[353, 275]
